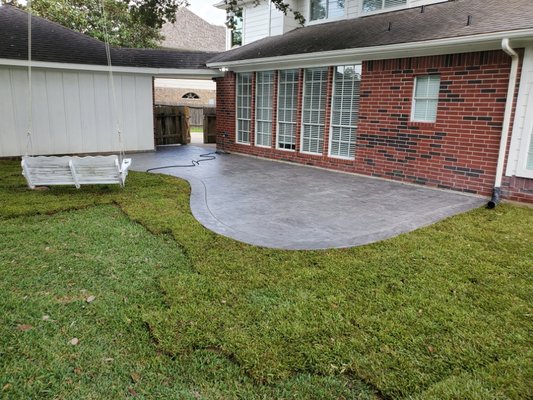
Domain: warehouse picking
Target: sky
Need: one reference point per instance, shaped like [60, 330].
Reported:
[205, 9]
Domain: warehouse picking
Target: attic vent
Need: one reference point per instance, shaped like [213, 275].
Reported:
[190, 95]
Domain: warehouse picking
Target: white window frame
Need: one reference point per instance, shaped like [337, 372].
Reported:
[323, 126]
[332, 125]
[415, 99]
[294, 110]
[271, 108]
[327, 17]
[383, 8]
[237, 106]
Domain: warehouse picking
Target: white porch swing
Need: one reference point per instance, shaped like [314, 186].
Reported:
[73, 170]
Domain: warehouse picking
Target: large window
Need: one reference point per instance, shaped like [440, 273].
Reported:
[287, 109]
[314, 110]
[244, 107]
[426, 98]
[324, 9]
[263, 108]
[375, 5]
[344, 111]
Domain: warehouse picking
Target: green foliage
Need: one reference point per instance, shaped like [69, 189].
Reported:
[440, 313]
[234, 12]
[129, 23]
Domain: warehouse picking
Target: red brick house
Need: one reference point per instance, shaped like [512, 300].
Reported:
[438, 93]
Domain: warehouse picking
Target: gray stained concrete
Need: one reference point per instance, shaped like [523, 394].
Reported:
[286, 206]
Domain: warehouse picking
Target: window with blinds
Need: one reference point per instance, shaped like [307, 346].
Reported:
[375, 5]
[263, 108]
[314, 110]
[244, 107]
[426, 98]
[344, 111]
[287, 109]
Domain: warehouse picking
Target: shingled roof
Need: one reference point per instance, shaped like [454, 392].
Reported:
[54, 43]
[437, 21]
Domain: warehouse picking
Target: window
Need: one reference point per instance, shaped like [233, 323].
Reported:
[244, 107]
[287, 109]
[314, 110]
[375, 5]
[235, 23]
[529, 163]
[426, 98]
[324, 9]
[190, 95]
[344, 111]
[263, 108]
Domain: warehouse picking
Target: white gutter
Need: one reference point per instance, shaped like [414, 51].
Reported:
[506, 46]
[486, 41]
[159, 72]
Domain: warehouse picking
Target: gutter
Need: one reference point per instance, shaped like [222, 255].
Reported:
[486, 41]
[496, 192]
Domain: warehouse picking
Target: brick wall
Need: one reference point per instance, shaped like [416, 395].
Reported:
[458, 152]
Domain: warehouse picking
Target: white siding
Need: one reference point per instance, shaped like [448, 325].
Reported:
[256, 22]
[523, 123]
[73, 112]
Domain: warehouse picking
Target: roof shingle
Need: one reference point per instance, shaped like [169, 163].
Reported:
[437, 21]
[52, 42]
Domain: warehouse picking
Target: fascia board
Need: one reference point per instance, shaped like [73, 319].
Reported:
[482, 42]
[159, 72]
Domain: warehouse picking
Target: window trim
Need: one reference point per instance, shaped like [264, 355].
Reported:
[330, 139]
[414, 100]
[299, 77]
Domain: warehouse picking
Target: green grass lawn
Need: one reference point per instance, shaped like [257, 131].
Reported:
[444, 312]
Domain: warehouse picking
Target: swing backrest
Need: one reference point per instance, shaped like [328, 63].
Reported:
[52, 170]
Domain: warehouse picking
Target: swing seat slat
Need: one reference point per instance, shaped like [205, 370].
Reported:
[76, 171]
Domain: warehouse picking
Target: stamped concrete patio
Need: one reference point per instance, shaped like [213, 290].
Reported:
[288, 206]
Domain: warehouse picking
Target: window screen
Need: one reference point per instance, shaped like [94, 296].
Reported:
[344, 111]
[322, 9]
[287, 109]
[263, 108]
[426, 98]
[244, 104]
[374, 5]
[314, 110]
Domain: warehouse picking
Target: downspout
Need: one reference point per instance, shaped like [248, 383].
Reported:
[496, 193]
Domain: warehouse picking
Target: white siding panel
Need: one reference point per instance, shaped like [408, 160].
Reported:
[8, 142]
[520, 132]
[72, 95]
[256, 22]
[73, 112]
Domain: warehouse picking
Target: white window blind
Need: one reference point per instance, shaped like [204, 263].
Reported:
[375, 5]
[314, 110]
[244, 107]
[323, 9]
[287, 109]
[263, 108]
[426, 98]
[344, 111]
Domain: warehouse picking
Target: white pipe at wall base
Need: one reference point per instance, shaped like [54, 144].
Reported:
[506, 122]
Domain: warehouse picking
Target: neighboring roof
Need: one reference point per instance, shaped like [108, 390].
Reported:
[190, 32]
[437, 21]
[54, 43]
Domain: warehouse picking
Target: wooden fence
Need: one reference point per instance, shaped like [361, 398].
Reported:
[171, 125]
